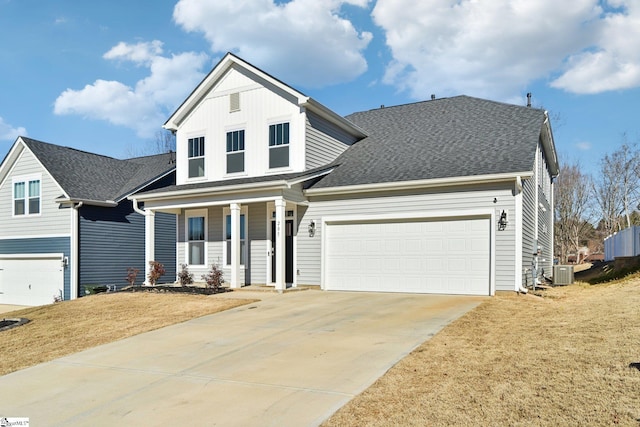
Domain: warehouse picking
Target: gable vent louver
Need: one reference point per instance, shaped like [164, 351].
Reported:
[234, 101]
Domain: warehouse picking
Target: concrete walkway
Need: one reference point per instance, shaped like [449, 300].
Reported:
[288, 360]
[6, 308]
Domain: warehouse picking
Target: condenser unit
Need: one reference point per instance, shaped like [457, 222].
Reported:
[562, 274]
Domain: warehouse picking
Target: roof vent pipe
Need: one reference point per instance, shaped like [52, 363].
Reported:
[528, 99]
[433, 96]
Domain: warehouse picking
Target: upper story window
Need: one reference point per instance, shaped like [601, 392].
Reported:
[278, 145]
[235, 151]
[196, 157]
[26, 196]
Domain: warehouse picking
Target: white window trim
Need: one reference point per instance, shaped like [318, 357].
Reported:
[189, 136]
[226, 211]
[235, 128]
[194, 214]
[25, 179]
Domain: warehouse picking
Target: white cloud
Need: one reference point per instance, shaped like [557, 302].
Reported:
[141, 53]
[491, 49]
[303, 42]
[583, 146]
[145, 106]
[9, 133]
[614, 61]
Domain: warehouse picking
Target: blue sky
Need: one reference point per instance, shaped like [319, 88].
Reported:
[103, 76]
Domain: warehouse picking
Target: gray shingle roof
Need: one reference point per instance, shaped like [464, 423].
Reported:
[89, 176]
[442, 138]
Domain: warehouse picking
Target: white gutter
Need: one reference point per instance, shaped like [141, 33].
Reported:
[410, 185]
[137, 208]
[101, 203]
[238, 188]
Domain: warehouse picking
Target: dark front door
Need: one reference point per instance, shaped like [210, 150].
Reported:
[288, 251]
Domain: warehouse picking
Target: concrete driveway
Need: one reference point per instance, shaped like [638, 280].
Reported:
[288, 360]
[5, 308]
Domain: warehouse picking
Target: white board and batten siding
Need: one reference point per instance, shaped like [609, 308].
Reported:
[439, 206]
[259, 107]
[52, 220]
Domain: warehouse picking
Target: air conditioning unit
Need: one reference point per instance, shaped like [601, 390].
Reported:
[562, 274]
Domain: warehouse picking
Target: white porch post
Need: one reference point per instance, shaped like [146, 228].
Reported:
[280, 244]
[235, 245]
[149, 242]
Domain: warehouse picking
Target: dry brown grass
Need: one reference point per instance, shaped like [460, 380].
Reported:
[519, 360]
[71, 326]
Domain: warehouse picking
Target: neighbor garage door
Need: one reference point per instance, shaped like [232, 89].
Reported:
[426, 256]
[30, 279]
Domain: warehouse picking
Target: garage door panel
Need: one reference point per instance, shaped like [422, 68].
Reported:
[443, 256]
[30, 281]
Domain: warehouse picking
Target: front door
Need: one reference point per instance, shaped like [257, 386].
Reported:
[288, 251]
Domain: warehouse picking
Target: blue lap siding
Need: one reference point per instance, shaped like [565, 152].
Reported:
[42, 245]
[112, 240]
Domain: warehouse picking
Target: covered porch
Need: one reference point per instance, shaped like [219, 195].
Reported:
[250, 233]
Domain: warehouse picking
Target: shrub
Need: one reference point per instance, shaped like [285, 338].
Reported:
[132, 274]
[157, 270]
[184, 277]
[214, 278]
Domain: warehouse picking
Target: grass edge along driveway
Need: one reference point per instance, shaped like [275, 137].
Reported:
[519, 360]
[68, 327]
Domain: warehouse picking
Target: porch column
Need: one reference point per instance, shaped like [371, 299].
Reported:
[280, 244]
[235, 245]
[149, 242]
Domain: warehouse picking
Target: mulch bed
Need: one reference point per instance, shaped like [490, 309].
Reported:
[176, 289]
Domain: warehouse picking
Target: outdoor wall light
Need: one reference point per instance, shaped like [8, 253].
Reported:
[502, 222]
[312, 228]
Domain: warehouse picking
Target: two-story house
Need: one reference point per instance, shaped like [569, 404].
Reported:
[449, 195]
[66, 222]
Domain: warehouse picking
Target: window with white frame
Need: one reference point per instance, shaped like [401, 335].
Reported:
[196, 156]
[243, 236]
[235, 151]
[26, 196]
[278, 145]
[196, 228]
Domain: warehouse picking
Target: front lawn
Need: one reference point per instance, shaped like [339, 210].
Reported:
[562, 359]
[67, 327]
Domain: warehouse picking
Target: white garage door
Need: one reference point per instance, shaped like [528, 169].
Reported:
[425, 256]
[30, 279]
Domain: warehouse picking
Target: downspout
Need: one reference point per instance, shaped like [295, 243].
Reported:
[74, 286]
[518, 203]
[149, 237]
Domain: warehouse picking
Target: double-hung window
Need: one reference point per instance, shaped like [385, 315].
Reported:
[278, 145]
[196, 238]
[235, 151]
[26, 196]
[196, 157]
[227, 237]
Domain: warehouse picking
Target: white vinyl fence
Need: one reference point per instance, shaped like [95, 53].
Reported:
[623, 243]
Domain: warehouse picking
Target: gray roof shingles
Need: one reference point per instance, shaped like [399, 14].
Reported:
[89, 176]
[442, 138]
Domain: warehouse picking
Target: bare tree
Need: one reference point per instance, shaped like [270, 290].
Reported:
[164, 142]
[607, 195]
[572, 210]
[626, 163]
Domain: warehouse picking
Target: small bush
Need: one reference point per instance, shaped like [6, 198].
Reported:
[184, 277]
[157, 271]
[214, 278]
[132, 274]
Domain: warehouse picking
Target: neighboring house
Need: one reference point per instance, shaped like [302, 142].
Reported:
[447, 196]
[66, 222]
